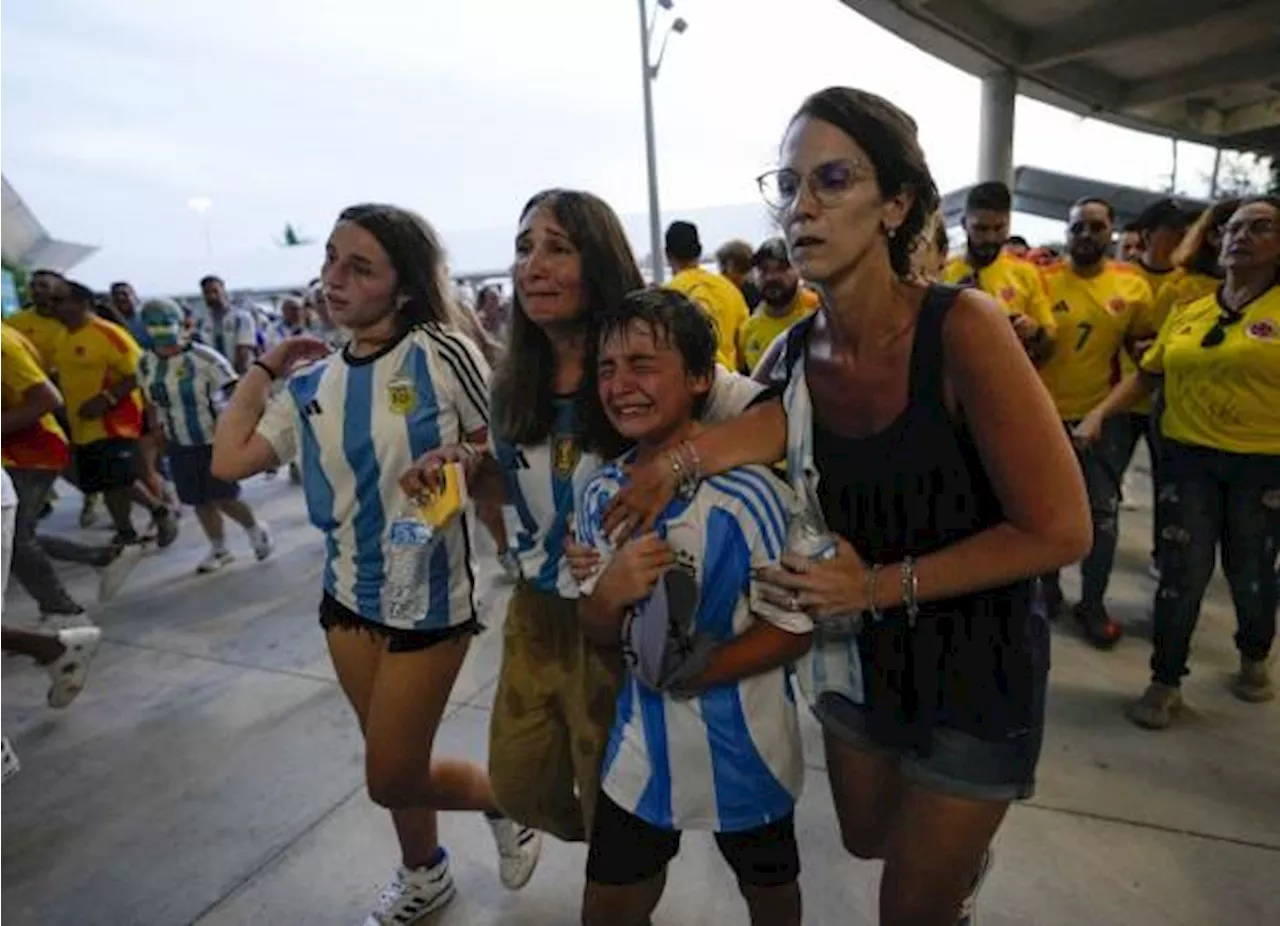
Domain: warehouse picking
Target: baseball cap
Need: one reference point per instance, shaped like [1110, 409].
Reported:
[682, 241]
[163, 320]
[771, 249]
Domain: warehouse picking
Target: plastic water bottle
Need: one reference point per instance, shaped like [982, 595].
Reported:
[808, 536]
[406, 589]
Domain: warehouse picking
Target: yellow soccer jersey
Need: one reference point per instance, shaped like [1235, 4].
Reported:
[1225, 396]
[1096, 317]
[1157, 280]
[1184, 288]
[1015, 284]
[44, 333]
[41, 445]
[762, 329]
[92, 359]
[723, 301]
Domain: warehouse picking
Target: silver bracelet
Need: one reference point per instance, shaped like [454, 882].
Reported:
[910, 590]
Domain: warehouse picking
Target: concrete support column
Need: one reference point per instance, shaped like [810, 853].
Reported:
[995, 138]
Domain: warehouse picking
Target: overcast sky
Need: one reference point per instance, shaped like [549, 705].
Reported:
[116, 113]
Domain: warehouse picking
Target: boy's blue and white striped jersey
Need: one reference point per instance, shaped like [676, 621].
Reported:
[728, 759]
[236, 328]
[545, 480]
[188, 391]
[357, 425]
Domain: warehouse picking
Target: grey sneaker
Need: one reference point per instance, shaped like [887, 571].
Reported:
[166, 527]
[1155, 709]
[1253, 682]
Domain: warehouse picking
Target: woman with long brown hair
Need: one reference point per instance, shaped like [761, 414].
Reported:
[406, 382]
[556, 689]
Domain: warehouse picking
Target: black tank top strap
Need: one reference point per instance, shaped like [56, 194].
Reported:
[927, 370]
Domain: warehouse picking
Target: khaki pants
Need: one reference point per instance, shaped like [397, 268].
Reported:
[551, 716]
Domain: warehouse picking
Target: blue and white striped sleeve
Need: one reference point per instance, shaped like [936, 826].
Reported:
[468, 377]
[217, 370]
[246, 329]
[764, 527]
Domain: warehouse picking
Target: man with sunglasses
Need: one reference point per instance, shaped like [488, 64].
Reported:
[986, 265]
[1102, 309]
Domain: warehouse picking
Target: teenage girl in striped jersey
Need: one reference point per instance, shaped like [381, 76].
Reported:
[406, 382]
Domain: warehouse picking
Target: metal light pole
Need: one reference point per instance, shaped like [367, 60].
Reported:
[649, 73]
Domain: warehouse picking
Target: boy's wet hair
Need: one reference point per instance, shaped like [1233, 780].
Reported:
[676, 321]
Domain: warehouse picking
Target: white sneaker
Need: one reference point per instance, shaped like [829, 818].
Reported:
[215, 561]
[510, 564]
[518, 850]
[260, 539]
[69, 670]
[115, 572]
[412, 894]
[52, 623]
[11, 763]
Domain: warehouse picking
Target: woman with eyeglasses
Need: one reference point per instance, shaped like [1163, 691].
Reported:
[1218, 361]
[916, 419]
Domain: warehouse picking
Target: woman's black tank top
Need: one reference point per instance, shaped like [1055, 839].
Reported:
[976, 663]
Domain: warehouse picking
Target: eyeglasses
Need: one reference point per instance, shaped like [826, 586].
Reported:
[1255, 228]
[828, 182]
[1218, 333]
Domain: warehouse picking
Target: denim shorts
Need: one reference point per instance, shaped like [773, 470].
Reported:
[956, 763]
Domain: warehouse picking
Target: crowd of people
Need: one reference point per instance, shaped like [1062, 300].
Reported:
[847, 462]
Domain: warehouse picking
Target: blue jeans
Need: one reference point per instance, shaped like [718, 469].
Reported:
[1212, 499]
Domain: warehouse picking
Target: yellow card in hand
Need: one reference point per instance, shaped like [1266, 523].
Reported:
[448, 501]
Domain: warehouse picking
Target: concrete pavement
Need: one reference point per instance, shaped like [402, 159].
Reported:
[211, 774]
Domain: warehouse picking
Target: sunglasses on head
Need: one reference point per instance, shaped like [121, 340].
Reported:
[1218, 333]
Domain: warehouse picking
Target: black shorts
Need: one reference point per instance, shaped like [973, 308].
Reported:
[193, 477]
[105, 465]
[627, 850]
[334, 615]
